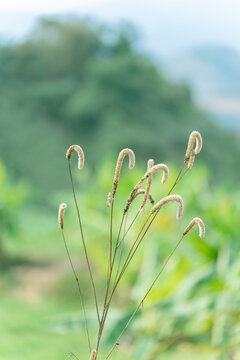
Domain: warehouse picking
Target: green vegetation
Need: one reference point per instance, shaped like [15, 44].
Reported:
[193, 308]
[78, 82]
[12, 197]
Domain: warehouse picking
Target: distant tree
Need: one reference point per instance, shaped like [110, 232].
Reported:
[11, 199]
[77, 81]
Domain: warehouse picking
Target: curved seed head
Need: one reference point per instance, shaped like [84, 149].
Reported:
[120, 159]
[80, 153]
[200, 224]
[142, 191]
[148, 174]
[150, 198]
[166, 200]
[148, 186]
[61, 210]
[154, 169]
[191, 152]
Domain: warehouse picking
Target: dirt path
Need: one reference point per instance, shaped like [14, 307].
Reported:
[33, 281]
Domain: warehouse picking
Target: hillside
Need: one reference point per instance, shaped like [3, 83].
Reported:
[77, 82]
[211, 69]
[213, 72]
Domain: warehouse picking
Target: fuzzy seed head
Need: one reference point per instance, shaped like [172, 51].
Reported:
[143, 191]
[150, 164]
[80, 153]
[121, 156]
[61, 210]
[139, 192]
[200, 224]
[191, 152]
[166, 200]
[148, 174]
[154, 169]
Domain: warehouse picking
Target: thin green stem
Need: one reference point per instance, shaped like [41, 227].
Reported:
[105, 310]
[132, 223]
[176, 181]
[121, 243]
[109, 266]
[109, 262]
[145, 296]
[79, 289]
[83, 241]
[130, 254]
[110, 240]
[127, 261]
[112, 293]
[185, 172]
[102, 322]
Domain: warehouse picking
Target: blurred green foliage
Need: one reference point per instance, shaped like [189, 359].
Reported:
[194, 307]
[12, 197]
[80, 82]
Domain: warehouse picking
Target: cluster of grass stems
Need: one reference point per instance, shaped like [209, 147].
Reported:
[116, 245]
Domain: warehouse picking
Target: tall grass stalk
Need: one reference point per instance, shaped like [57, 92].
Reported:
[116, 247]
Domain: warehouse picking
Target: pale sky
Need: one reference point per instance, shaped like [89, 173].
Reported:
[166, 26]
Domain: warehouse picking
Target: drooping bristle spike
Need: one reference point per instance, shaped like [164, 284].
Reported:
[154, 169]
[150, 164]
[200, 224]
[80, 153]
[121, 156]
[61, 210]
[148, 174]
[191, 152]
[143, 191]
[166, 200]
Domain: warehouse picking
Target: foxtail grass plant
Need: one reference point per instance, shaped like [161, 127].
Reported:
[120, 266]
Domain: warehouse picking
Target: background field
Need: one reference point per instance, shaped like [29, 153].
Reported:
[81, 81]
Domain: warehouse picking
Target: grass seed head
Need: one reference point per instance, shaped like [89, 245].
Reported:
[150, 164]
[166, 200]
[200, 224]
[61, 210]
[191, 152]
[80, 153]
[121, 156]
[150, 198]
[148, 174]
